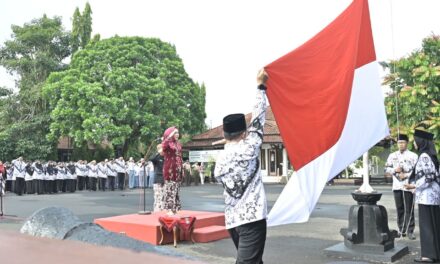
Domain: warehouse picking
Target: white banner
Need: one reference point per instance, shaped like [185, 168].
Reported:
[203, 155]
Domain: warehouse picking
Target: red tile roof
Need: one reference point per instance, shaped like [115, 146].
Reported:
[204, 140]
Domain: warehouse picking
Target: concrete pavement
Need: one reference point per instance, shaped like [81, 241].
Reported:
[295, 243]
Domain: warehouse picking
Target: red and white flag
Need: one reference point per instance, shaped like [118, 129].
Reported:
[329, 107]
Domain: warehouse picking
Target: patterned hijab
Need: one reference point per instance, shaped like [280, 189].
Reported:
[168, 132]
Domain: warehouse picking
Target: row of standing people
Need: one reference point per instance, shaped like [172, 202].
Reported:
[51, 177]
[26, 177]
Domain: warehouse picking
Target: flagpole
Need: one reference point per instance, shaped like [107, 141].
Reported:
[366, 187]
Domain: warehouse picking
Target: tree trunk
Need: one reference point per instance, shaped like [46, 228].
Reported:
[125, 149]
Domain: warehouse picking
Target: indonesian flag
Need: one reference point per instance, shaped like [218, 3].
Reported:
[328, 104]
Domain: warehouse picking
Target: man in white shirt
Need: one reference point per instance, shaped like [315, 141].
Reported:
[400, 165]
[132, 176]
[93, 175]
[150, 174]
[80, 172]
[102, 175]
[238, 169]
[111, 173]
[120, 168]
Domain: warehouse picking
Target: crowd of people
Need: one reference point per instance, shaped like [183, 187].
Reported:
[35, 177]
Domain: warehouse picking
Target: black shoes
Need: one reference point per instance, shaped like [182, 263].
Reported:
[411, 236]
[401, 234]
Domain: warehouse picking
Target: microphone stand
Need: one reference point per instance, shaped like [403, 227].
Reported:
[145, 212]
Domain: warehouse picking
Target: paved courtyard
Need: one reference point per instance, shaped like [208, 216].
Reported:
[295, 243]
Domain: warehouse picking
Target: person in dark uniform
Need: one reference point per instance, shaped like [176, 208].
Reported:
[158, 185]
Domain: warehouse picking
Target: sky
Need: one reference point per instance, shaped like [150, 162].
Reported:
[224, 43]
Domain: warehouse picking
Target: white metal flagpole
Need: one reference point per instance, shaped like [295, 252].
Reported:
[366, 187]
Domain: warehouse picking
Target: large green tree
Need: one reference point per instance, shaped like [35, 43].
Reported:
[126, 90]
[36, 49]
[415, 84]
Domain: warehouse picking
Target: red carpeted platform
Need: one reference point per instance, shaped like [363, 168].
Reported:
[209, 226]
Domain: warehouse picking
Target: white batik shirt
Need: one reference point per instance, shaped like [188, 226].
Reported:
[80, 169]
[238, 169]
[427, 181]
[19, 169]
[120, 166]
[38, 172]
[102, 170]
[405, 160]
[61, 173]
[93, 171]
[111, 169]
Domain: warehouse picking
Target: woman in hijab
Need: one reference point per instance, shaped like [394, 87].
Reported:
[172, 169]
[425, 181]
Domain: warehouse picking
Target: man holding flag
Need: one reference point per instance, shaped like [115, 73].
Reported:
[238, 169]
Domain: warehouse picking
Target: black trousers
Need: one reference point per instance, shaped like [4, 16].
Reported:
[80, 183]
[405, 211]
[92, 183]
[50, 186]
[19, 185]
[30, 187]
[249, 240]
[72, 185]
[111, 183]
[64, 185]
[102, 182]
[147, 182]
[121, 180]
[8, 186]
[38, 189]
[87, 182]
[58, 185]
[429, 225]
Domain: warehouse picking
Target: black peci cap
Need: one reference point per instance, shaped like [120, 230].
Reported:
[402, 137]
[234, 123]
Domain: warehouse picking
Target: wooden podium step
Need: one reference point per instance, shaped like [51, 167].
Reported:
[210, 233]
[147, 227]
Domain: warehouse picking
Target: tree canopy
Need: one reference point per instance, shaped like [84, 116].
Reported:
[415, 84]
[36, 49]
[125, 90]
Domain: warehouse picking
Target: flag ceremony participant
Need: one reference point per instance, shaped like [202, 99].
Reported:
[426, 182]
[172, 169]
[400, 165]
[238, 169]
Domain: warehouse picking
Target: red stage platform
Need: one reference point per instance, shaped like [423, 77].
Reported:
[209, 226]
